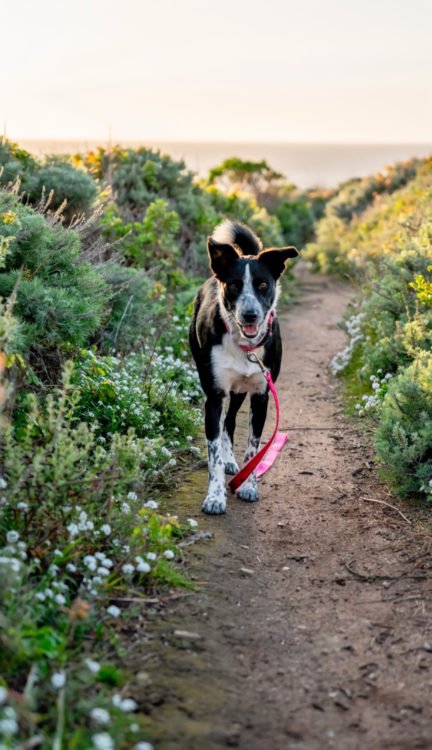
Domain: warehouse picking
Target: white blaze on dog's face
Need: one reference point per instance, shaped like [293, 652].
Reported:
[248, 284]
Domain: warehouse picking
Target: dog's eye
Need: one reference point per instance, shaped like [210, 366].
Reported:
[235, 286]
[262, 285]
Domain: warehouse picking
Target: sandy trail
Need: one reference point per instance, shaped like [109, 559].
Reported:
[327, 641]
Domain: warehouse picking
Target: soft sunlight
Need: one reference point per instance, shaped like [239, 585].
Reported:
[233, 70]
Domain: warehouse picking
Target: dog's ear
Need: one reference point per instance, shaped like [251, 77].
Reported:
[221, 257]
[276, 257]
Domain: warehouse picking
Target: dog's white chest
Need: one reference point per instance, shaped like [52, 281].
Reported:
[232, 370]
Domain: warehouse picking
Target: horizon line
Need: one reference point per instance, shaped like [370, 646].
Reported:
[194, 142]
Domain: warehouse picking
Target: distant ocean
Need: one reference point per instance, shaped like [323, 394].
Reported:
[304, 164]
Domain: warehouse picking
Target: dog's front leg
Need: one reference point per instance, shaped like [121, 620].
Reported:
[236, 400]
[257, 416]
[215, 501]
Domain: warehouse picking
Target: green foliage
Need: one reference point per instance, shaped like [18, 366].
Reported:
[142, 177]
[60, 300]
[388, 361]
[83, 458]
[247, 210]
[423, 287]
[135, 304]
[236, 175]
[65, 183]
[150, 392]
[55, 181]
[161, 212]
[73, 536]
[297, 222]
[150, 242]
[354, 216]
[404, 436]
[15, 163]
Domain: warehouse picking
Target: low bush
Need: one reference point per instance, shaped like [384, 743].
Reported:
[61, 301]
[77, 529]
[403, 439]
[151, 392]
[387, 363]
[54, 182]
[63, 185]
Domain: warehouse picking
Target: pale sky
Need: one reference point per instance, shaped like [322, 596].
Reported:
[242, 70]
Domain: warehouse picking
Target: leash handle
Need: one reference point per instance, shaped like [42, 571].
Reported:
[251, 465]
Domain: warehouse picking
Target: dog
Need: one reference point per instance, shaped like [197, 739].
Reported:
[234, 314]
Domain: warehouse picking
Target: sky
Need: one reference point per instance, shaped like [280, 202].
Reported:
[225, 70]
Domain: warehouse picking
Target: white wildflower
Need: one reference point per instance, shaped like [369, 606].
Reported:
[192, 523]
[58, 680]
[143, 567]
[106, 529]
[12, 537]
[22, 506]
[100, 715]
[169, 554]
[151, 504]
[8, 727]
[103, 741]
[128, 569]
[132, 496]
[114, 611]
[92, 666]
[90, 562]
[151, 556]
[127, 705]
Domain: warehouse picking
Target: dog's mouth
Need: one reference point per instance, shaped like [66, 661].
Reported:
[249, 330]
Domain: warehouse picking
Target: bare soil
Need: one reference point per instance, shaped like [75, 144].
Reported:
[310, 626]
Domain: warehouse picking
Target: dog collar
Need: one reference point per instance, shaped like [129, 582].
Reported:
[267, 335]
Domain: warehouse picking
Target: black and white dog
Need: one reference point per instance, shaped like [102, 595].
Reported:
[234, 315]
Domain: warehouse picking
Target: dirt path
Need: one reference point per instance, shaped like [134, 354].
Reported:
[327, 641]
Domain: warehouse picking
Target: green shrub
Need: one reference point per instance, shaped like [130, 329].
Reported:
[66, 184]
[134, 299]
[348, 233]
[150, 392]
[15, 163]
[297, 222]
[60, 300]
[55, 181]
[149, 243]
[76, 530]
[403, 439]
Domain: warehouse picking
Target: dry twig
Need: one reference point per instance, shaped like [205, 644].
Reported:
[388, 505]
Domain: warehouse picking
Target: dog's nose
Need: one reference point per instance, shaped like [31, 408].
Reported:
[250, 316]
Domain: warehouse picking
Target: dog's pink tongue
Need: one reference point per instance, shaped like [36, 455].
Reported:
[250, 330]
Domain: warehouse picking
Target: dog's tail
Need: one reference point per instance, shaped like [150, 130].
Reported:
[235, 233]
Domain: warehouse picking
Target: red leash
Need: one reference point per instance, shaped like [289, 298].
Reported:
[251, 465]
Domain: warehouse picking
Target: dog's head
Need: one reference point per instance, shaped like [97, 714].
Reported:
[248, 284]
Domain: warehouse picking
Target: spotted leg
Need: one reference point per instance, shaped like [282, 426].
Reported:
[215, 501]
[258, 412]
[236, 400]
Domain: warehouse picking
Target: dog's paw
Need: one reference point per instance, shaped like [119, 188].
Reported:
[248, 493]
[231, 468]
[214, 505]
